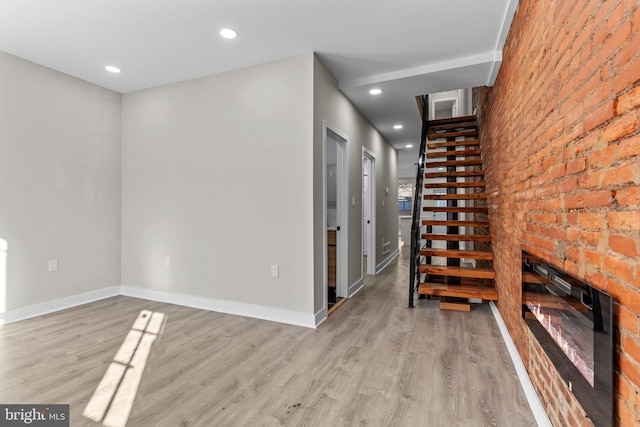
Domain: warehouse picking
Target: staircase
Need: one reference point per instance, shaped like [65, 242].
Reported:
[451, 256]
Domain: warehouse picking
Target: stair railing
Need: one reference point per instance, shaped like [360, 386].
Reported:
[414, 264]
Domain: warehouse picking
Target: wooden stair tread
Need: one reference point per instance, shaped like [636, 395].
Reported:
[445, 270]
[467, 184]
[439, 122]
[455, 223]
[460, 291]
[469, 124]
[455, 209]
[444, 144]
[452, 134]
[473, 172]
[455, 253]
[455, 196]
[469, 162]
[436, 154]
[458, 237]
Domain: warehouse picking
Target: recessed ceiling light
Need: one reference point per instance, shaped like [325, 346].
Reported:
[112, 69]
[409, 146]
[397, 126]
[228, 33]
[375, 91]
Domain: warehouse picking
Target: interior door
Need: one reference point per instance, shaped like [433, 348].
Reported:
[366, 205]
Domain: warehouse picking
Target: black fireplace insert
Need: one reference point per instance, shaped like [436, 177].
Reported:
[573, 322]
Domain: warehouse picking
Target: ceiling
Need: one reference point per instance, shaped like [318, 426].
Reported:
[404, 47]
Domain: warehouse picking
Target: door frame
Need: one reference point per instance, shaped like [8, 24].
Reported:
[371, 249]
[432, 107]
[342, 240]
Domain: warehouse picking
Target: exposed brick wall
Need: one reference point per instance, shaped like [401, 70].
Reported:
[561, 149]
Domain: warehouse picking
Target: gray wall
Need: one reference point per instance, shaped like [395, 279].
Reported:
[331, 105]
[216, 174]
[59, 183]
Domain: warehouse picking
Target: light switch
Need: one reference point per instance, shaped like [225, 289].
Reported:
[353, 202]
[167, 261]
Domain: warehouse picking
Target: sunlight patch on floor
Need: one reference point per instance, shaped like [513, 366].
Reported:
[113, 399]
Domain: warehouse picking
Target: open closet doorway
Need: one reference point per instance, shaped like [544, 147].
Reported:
[335, 203]
[368, 212]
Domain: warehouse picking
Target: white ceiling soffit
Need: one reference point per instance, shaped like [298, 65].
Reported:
[407, 47]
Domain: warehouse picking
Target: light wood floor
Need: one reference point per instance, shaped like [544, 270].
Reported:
[373, 362]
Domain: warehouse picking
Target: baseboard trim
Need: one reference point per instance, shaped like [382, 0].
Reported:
[321, 316]
[223, 306]
[387, 260]
[355, 288]
[530, 392]
[47, 307]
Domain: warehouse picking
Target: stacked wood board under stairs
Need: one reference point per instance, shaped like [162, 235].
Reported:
[453, 157]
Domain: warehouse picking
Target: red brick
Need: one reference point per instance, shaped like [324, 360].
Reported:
[630, 368]
[591, 179]
[627, 319]
[631, 347]
[599, 198]
[623, 270]
[614, 42]
[591, 238]
[615, 17]
[625, 415]
[591, 220]
[603, 158]
[617, 290]
[571, 268]
[623, 174]
[556, 172]
[620, 128]
[629, 220]
[593, 258]
[624, 245]
[628, 101]
[624, 389]
[629, 147]
[572, 234]
[574, 202]
[629, 197]
[573, 253]
[627, 77]
[576, 165]
[597, 280]
[565, 186]
[599, 116]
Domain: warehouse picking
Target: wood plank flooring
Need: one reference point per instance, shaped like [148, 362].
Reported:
[373, 362]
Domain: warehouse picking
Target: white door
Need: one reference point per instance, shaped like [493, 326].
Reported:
[368, 210]
[366, 205]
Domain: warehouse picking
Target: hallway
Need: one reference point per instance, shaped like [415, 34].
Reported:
[374, 362]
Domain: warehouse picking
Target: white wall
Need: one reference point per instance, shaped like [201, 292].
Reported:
[333, 107]
[59, 183]
[216, 174]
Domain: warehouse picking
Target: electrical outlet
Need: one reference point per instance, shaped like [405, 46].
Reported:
[275, 270]
[53, 265]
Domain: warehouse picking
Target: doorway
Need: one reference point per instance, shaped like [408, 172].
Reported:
[335, 156]
[368, 212]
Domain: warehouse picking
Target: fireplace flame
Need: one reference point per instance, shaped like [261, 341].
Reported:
[567, 338]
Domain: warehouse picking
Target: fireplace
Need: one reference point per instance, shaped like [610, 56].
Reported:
[573, 322]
